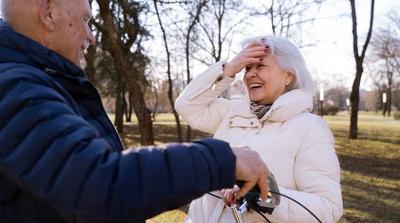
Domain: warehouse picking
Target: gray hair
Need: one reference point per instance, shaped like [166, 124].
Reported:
[3, 8]
[289, 58]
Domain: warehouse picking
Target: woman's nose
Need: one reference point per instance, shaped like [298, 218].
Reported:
[252, 72]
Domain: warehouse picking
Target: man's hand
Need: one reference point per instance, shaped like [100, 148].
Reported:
[251, 169]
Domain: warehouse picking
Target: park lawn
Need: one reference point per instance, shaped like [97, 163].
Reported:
[370, 165]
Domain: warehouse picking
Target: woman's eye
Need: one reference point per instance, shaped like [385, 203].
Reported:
[247, 68]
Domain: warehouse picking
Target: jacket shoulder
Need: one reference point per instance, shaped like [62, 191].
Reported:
[311, 125]
[24, 86]
[18, 71]
[309, 118]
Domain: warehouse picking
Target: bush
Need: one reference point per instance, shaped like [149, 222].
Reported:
[331, 109]
[396, 116]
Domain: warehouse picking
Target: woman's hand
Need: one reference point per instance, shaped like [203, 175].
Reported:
[252, 54]
[228, 195]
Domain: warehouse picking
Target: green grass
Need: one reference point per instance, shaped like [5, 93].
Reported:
[370, 165]
[370, 168]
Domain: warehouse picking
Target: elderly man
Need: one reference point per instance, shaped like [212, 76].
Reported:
[61, 159]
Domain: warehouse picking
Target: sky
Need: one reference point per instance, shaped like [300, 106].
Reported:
[334, 54]
[330, 59]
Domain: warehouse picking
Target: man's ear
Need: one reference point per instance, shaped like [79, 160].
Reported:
[46, 13]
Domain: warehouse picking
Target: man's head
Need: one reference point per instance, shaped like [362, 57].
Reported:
[61, 25]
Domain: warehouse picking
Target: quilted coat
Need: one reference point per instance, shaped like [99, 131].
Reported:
[296, 145]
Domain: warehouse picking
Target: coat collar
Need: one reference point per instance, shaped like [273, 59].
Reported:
[17, 48]
[284, 107]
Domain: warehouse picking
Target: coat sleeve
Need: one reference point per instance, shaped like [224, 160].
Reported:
[317, 177]
[55, 155]
[199, 104]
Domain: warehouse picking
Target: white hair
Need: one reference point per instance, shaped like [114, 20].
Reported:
[2, 8]
[5, 8]
[289, 58]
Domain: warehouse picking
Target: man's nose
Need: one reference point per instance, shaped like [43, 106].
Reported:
[91, 38]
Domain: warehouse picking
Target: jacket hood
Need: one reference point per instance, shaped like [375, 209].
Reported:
[284, 107]
[17, 48]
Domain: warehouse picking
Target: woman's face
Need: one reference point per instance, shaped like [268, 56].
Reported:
[266, 81]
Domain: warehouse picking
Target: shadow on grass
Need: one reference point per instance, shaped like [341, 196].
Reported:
[380, 204]
[371, 173]
[370, 136]
[377, 167]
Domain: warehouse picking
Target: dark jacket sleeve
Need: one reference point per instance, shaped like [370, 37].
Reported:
[51, 152]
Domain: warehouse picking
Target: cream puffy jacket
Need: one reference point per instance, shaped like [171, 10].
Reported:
[296, 145]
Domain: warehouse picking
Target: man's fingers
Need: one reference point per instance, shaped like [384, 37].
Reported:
[234, 190]
[251, 169]
[262, 184]
[247, 186]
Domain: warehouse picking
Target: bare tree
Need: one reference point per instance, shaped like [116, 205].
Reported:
[394, 17]
[120, 43]
[377, 76]
[194, 11]
[217, 28]
[170, 82]
[359, 59]
[284, 14]
[386, 50]
[396, 96]
[287, 18]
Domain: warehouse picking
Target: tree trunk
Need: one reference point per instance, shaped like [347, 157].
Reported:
[188, 129]
[389, 94]
[124, 102]
[194, 21]
[188, 76]
[273, 26]
[116, 51]
[355, 99]
[119, 107]
[155, 108]
[170, 84]
[129, 108]
[359, 59]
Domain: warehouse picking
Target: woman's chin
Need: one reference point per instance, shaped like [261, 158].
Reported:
[256, 98]
[261, 101]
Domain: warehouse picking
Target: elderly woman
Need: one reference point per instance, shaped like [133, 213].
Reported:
[274, 120]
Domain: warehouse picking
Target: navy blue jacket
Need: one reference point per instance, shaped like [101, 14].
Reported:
[61, 159]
